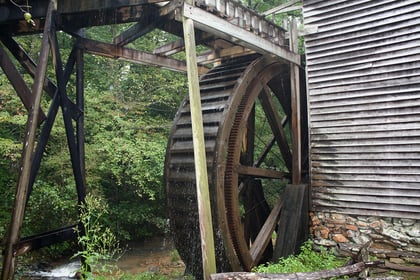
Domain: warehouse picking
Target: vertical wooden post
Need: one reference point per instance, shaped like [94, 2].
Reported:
[28, 148]
[295, 100]
[203, 196]
[80, 124]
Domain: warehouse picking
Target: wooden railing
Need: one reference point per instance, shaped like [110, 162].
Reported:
[234, 12]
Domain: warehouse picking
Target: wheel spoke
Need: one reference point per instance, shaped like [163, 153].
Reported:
[259, 172]
[264, 236]
[268, 146]
[275, 124]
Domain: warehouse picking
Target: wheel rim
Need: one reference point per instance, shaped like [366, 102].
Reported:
[250, 217]
[239, 170]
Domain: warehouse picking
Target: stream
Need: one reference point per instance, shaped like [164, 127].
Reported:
[153, 255]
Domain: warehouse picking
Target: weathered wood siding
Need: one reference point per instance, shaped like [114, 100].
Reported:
[363, 69]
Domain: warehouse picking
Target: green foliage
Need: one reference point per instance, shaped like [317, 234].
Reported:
[47, 198]
[306, 261]
[129, 109]
[99, 246]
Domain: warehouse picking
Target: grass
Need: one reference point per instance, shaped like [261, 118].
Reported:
[307, 260]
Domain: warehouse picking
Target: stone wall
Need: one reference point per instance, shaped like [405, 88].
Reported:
[395, 240]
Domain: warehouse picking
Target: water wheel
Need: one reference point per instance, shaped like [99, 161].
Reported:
[246, 108]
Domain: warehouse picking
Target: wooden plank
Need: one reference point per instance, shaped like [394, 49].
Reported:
[368, 212]
[355, 184]
[379, 146]
[215, 25]
[368, 128]
[396, 179]
[370, 192]
[294, 221]
[387, 154]
[368, 114]
[391, 205]
[377, 170]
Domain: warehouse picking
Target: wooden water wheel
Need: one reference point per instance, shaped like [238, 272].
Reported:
[246, 111]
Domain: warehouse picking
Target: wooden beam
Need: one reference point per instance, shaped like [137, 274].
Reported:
[210, 56]
[27, 62]
[281, 8]
[202, 183]
[71, 6]
[236, 34]
[18, 83]
[295, 100]
[136, 56]
[134, 32]
[322, 274]
[42, 240]
[170, 48]
[14, 231]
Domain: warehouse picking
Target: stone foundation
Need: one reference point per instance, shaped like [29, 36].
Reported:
[393, 239]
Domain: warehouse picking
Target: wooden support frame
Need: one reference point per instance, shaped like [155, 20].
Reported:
[31, 155]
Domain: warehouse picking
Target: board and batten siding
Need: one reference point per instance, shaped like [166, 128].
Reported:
[363, 77]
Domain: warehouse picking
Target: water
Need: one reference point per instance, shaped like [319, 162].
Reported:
[62, 271]
[153, 255]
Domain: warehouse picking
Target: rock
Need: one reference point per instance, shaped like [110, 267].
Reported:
[395, 235]
[375, 224]
[325, 242]
[414, 231]
[412, 260]
[324, 232]
[315, 220]
[339, 238]
[362, 224]
[153, 269]
[396, 260]
[361, 239]
[407, 222]
[352, 227]
[383, 246]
